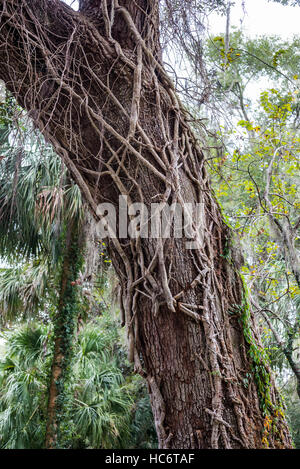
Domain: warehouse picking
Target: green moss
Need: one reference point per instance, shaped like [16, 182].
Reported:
[258, 356]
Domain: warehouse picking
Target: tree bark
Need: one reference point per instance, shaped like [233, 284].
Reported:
[94, 85]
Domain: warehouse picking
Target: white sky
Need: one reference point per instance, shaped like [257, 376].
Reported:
[260, 17]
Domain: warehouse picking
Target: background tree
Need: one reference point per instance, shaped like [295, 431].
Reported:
[260, 170]
[107, 406]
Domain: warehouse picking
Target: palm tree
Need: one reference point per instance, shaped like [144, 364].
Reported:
[23, 387]
[24, 289]
[108, 407]
[103, 399]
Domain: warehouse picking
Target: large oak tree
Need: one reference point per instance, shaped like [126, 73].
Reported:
[94, 84]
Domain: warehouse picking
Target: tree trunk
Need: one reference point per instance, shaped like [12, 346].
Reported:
[94, 85]
[63, 337]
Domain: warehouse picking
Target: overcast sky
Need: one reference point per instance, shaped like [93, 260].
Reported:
[260, 17]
